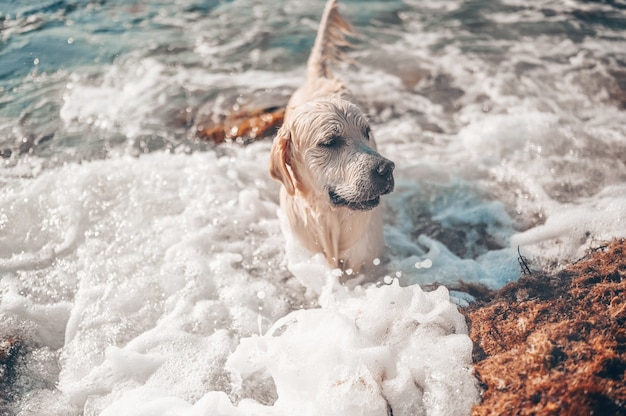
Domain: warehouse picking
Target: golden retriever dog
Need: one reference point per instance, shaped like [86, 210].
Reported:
[325, 157]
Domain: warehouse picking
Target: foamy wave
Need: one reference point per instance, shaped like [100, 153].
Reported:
[178, 258]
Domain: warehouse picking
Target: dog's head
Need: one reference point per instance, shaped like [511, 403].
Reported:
[326, 151]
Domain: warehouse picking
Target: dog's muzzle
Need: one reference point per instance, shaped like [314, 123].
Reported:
[380, 182]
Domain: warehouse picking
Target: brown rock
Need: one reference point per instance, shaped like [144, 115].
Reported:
[245, 125]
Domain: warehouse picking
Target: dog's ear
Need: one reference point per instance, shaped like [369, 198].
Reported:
[280, 160]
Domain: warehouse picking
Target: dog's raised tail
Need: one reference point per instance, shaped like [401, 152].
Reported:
[330, 42]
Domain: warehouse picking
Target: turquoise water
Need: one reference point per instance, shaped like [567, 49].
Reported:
[140, 266]
[48, 45]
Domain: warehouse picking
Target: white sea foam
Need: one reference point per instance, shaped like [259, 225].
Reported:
[157, 268]
[364, 351]
[134, 92]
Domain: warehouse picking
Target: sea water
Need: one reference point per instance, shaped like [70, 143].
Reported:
[146, 272]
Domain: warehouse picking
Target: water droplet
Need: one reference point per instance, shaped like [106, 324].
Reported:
[426, 264]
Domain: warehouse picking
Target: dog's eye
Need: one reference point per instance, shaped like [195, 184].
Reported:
[367, 133]
[331, 142]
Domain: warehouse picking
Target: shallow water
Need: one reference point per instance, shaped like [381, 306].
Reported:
[146, 271]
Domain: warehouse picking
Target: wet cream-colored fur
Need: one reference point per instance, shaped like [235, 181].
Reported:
[326, 159]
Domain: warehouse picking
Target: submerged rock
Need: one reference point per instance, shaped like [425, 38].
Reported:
[555, 344]
[246, 125]
[10, 351]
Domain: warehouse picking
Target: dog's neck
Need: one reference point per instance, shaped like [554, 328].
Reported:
[318, 226]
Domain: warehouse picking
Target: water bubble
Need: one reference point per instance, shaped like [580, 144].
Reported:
[376, 261]
[36, 61]
[426, 264]
[388, 280]
[260, 294]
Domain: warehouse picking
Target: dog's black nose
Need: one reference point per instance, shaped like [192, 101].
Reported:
[384, 169]
[382, 176]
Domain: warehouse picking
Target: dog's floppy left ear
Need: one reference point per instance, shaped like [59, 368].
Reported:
[280, 159]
